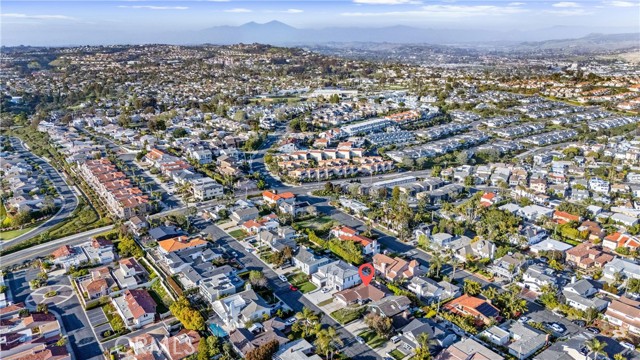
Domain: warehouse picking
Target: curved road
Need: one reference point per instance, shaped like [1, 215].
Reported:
[69, 198]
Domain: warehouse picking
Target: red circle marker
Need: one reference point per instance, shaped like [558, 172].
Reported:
[366, 278]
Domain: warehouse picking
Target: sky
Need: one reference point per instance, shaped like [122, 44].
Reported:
[78, 22]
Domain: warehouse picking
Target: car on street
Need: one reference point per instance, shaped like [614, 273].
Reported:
[282, 277]
[557, 328]
[248, 249]
[523, 319]
[580, 323]
[234, 254]
[593, 330]
[627, 345]
[359, 339]
[293, 288]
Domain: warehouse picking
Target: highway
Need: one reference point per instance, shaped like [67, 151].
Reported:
[69, 198]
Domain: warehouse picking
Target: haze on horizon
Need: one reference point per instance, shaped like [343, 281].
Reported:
[91, 22]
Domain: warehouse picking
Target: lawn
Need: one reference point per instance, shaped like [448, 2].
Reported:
[8, 235]
[346, 315]
[372, 339]
[238, 234]
[397, 354]
[326, 302]
[161, 308]
[301, 281]
[315, 223]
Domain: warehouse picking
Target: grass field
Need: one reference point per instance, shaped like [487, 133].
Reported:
[301, 281]
[372, 339]
[316, 223]
[326, 302]
[346, 315]
[238, 234]
[397, 354]
[8, 235]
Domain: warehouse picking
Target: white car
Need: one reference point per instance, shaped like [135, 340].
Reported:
[627, 345]
[325, 290]
[282, 277]
[523, 319]
[359, 339]
[557, 328]
[291, 321]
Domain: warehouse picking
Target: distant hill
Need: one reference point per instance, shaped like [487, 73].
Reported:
[278, 33]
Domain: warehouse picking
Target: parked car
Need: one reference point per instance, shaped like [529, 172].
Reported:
[282, 277]
[557, 328]
[359, 339]
[325, 290]
[395, 339]
[293, 288]
[593, 330]
[627, 345]
[523, 319]
[580, 323]
[291, 320]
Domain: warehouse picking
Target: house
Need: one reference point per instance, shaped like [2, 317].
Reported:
[337, 275]
[621, 240]
[530, 234]
[391, 306]
[308, 262]
[488, 199]
[538, 276]
[219, 285]
[274, 199]
[574, 348]
[521, 340]
[467, 349]
[181, 243]
[41, 352]
[593, 228]
[345, 233]
[360, 294]
[238, 309]
[624, 313]
[628, 269]
[245, 214]
[479, 309]
[165, 232]
[244, 341]
[299, 349]
[66, 256]
[535, 212]
[442, 239]
[625, 219]
[562, 217]
[136, 308]
[181, 345]
[206, 188]
[138, 225]
[587, 255]
[439, 337]
[580, 295]
[395, 268]
[130, 274]
[550, 245]
[432, 290]
[509, 266]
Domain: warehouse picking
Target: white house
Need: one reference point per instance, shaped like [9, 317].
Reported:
[337, 275]
[136, 308]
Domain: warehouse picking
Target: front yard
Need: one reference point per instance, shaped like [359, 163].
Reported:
[347, 315]
[372, 339]
[397, 354]
[238, 234]
[301, 281]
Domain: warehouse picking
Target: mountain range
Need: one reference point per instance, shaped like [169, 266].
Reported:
[278, 33]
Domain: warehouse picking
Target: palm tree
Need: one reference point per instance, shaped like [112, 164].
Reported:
[595, 346]
[436, 264]
[422, 351]
[326, 342]
[308, 317]
[454, 264]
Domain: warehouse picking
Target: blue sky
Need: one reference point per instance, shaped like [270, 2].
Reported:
[89, 21]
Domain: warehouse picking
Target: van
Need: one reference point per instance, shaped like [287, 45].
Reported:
[395, 339]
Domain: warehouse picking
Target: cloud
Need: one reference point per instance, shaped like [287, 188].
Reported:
[153, 7]
[566, 4]
[446, 11]
[294, 11]
[516, 4]
[569, 12]
[620, 3]
[238, 10]
[37, 17]
[387, 2]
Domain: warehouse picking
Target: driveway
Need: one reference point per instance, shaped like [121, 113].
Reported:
[97, 317]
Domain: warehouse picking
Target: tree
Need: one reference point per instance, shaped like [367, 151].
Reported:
[510, 302]
[422, 351]
[128, 247]
[436, 264]
[188, 316]
[62, 341]
[595, 346]
[179, 132]
[307, 320]
[42, 308]
[591, 314]
[382, 325]
[549, 297]
[257, 279]
[471, 287]
[633, 286]
[204, 352]
[327, 340]
[264, 352]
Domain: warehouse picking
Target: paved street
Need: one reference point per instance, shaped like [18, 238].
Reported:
[78, 328]
[69, 199]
